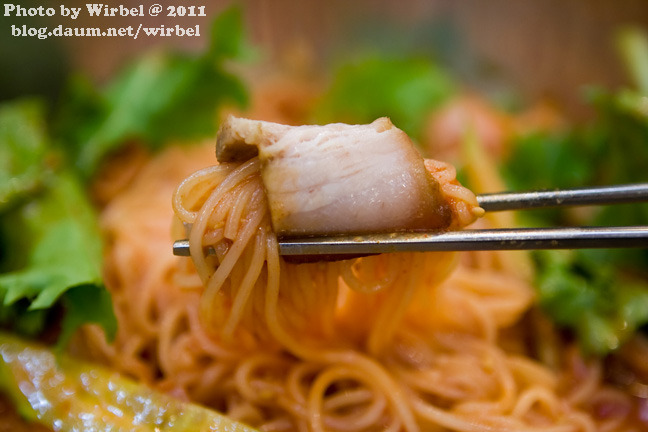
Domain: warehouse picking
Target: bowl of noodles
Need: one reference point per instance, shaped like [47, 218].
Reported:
[104, 328]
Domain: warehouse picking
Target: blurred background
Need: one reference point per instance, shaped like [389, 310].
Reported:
[538, 49]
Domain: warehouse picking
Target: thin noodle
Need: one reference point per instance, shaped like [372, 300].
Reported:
[393, 342]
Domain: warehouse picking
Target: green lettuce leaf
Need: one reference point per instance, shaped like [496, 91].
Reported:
[51, 245]
[21, 153]
[162, 96]
[404, 89]
[600, 294]
[600, 307]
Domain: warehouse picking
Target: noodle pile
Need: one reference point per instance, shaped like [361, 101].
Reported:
[389, 342]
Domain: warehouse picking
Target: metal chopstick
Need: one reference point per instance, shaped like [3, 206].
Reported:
[471, 240]
[602, 195]
[464, 240]
[490, 239]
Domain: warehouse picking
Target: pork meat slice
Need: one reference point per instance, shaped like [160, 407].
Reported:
[339, 178]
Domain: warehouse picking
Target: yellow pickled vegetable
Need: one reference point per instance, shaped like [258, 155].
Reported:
[66, 394]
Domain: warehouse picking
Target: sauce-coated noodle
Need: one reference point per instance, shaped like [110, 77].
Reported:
[391, 342]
